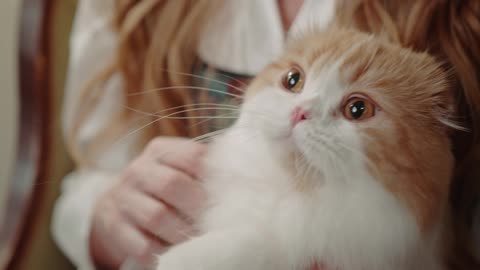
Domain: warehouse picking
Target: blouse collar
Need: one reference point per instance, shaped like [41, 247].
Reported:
[246, 35]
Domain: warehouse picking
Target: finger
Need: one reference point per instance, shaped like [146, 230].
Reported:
[155, 217]
[176, 189]
[134, 244]
[181, 154]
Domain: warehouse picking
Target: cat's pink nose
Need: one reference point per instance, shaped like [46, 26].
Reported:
[299, 115]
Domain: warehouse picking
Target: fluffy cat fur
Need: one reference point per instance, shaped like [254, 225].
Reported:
[341, 194]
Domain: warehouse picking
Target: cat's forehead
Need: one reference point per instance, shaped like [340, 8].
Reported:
[322, 56]
[357, 62]
[329, 47]
[349, 53]
[366, 63]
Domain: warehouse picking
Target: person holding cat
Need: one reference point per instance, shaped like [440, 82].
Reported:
[131, 200]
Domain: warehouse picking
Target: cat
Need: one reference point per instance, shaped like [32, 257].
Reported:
[340, 159]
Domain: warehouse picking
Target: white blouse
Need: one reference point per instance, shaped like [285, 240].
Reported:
[242, 38]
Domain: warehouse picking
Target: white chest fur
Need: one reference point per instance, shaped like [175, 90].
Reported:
[257, 219]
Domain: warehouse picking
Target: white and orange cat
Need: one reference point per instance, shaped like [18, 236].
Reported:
[340, 158]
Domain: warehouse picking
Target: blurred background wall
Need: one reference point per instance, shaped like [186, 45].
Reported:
[9, 14]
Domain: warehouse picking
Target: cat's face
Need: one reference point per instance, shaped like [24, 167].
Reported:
[342, 100]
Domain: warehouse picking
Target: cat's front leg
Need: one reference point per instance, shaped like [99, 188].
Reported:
[235, 249]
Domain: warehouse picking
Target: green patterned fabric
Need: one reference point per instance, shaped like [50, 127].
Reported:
[223, 88]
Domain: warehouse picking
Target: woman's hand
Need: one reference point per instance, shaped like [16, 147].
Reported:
[149, 208]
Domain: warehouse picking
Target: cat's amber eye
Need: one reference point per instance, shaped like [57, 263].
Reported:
[293, 80]
[359, 108]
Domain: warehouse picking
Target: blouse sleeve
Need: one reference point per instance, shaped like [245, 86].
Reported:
[92, 45]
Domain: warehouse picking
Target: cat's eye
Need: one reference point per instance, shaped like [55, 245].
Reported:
[359, 108]
[293, 80]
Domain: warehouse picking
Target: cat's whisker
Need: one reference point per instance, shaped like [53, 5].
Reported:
[362, 155]
[186, 234]
[212, 80]
[151, 123]
[187, 110]
[209, 135]
[332, 157]
[310, 170]
[303, 169]
[244, 140]
[201, 117]
[301, 163]
[195, 105]
[205, 118]
[337, 164]
[244, 84]
[234, 116]
[336, 157]
[200, 138]
[186, 87]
